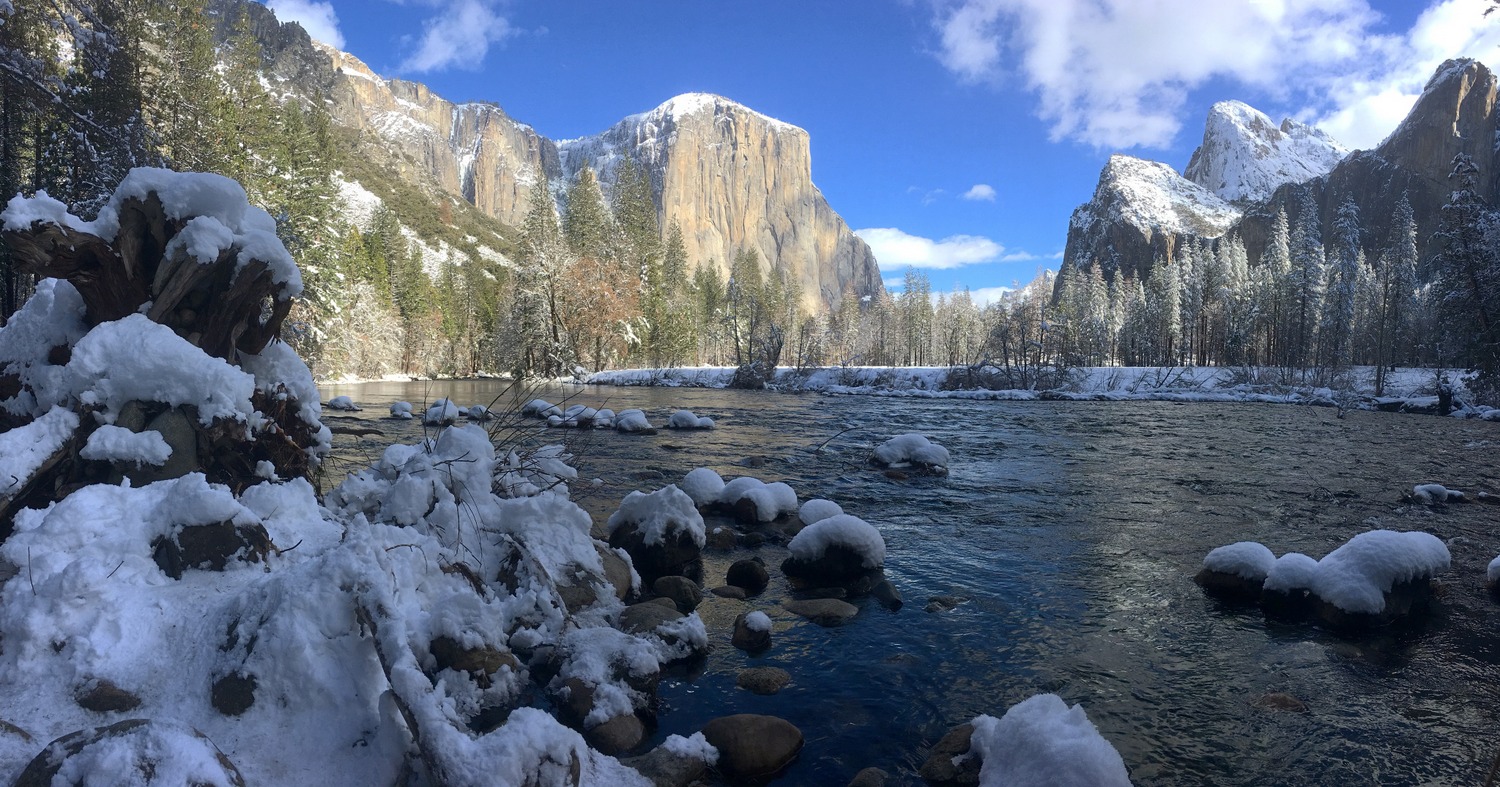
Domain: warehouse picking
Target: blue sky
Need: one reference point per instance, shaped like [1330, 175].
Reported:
[955, 135]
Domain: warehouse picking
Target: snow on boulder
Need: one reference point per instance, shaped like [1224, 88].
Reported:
[911, 450]
[1434, 494]
[686, 419]
[754, 502]
[118, 444]
[633, 422]
[1042, 741]
[343, 403]
[1236, 572]
[443, 412]
[604, 419]
[1288, 585]
[818, 509]
[662, 531]
[478, 413]
[1378, 576]
[540, 408]
[840, 551]
[401, 410]
[703, 485]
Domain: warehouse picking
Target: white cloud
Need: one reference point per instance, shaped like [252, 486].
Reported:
[980, 191]
[895, 249]
[985, 296]
[317, 18]
[457, 36]
[1371, 100]
[893, 283]
[1116, 73]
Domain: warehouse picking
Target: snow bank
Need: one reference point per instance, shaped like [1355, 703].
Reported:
[1244, 559]
[843, 530]
[659, 515]
[1041, 741]
[1356, 576]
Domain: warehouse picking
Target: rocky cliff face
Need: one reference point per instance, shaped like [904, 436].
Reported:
[735, 179]
[732, 177]
[1456, 114]
[1245, 157]
[1140, 211]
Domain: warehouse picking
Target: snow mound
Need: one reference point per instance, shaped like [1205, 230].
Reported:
[1433, 494]
[842, 530]
[118, 444]
[442, 413]
[1292, 571]
[662, 514]
[1356, 576]
[758, 621]
[1244, 559]
[1041, 741]
[540, 408]
[401, 410]
[695, 747]
[343, 403]
[818, 509]
[911, 448]
[703, 485]
[686, 419]
[632, 421]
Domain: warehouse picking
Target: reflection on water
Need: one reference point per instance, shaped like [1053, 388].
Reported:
[1074, 529]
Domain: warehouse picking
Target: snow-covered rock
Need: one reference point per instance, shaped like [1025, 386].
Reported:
[1042, 741]
[840, 551]
[1359, 576]
[686, 419]
[818, 509]
[401, 410]
[703, 485]
[633, 422]
[914, 450]
[1236, 572]
[1244, 156]
[442, 413]
[662, 531]
[343, 403]
[1434, 494]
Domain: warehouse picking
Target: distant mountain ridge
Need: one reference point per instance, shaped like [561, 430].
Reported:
[734, 178]
[1141, 210]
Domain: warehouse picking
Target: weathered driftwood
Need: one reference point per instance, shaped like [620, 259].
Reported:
[221, 307]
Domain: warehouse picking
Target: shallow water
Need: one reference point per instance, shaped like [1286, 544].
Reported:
[1074, 529]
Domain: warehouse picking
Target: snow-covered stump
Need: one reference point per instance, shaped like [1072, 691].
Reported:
[154, 336]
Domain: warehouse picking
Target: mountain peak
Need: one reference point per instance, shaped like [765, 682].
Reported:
[1150, 194]
[1245, 155]
[679, 107]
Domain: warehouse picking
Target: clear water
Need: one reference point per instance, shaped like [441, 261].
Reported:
[1074, 529]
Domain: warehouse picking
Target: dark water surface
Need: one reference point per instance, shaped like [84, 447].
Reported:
[1074, 529]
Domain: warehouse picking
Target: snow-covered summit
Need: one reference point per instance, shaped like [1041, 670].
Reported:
[1150, 195]
[654, 131]
[1245, 156]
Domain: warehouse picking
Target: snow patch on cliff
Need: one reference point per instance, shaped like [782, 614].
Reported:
[1245, 156]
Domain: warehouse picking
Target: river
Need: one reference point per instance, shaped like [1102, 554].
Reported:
[1074, 530]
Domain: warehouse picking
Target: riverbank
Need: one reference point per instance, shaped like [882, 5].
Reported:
[1407, 389]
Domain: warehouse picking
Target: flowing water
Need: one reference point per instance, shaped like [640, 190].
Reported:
[1073, 530]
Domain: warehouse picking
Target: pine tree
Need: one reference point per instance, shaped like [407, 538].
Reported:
[1275, 291]
[1304, 285]
[1468, 278]
[1336, 328]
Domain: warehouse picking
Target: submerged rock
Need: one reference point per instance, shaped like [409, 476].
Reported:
[752, 746]
[763, 680]
[749, 574]
[823, 611]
